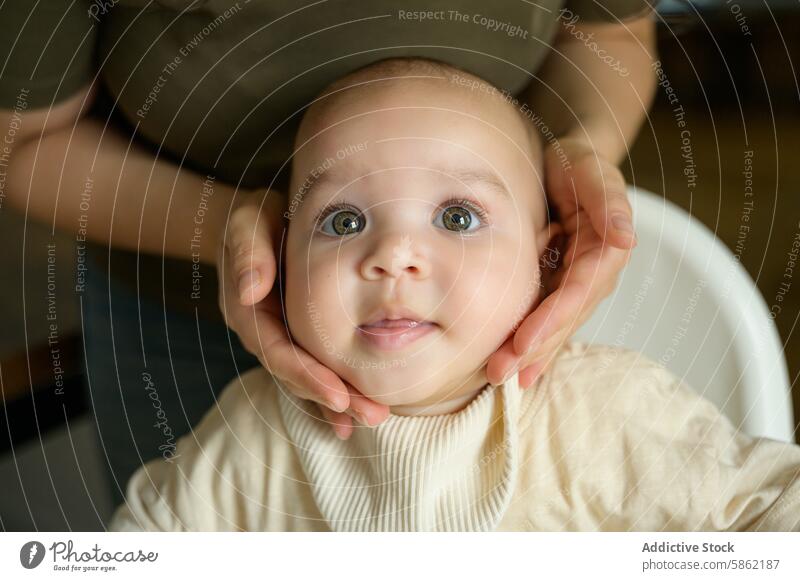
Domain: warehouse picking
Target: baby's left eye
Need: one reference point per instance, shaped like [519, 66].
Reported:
[459, 217]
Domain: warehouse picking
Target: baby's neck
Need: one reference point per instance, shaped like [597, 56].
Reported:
[453, 401]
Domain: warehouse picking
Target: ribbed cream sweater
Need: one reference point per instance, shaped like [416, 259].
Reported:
[606, 440]
[450, 472]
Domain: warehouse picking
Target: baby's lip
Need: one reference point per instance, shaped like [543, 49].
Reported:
[395, 317]
[394, 334]
[395, 324]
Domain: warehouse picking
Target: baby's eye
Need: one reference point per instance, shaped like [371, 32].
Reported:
[460, 217]
[342, 223]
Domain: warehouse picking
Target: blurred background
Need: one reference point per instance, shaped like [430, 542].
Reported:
[732, 66]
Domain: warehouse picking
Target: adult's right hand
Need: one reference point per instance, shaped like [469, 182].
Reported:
[251, 305]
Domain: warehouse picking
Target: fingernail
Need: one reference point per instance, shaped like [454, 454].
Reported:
[534, 346]
[337, 407]
[248, 281]
[622, 223]
[358, 416]
[531, 381]
[340, 435]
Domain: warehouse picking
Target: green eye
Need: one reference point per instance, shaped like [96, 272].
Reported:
[458, 219]
[342, 223]
[456, 215]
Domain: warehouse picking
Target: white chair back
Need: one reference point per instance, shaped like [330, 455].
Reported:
[686, 302]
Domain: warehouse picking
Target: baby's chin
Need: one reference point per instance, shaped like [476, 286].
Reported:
[401, 381]
[422, 375]
[389, 382]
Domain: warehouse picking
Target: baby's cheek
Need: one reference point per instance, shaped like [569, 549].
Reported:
[298, 318]
[328, 316]
[489, 306]
[306, 309]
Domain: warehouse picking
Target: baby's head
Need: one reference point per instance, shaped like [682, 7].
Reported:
[416, 222]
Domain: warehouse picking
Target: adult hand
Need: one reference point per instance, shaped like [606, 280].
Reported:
[589, 195]
[251, 305]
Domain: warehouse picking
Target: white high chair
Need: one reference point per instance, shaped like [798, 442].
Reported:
[686, 302]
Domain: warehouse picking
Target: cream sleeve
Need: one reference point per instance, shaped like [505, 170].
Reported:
[757, 479]
[630, 446]
[748, 483]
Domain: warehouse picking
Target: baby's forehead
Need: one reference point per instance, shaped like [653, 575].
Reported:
[433, 124]
[362, 131]
[408, 95]
[381, 129]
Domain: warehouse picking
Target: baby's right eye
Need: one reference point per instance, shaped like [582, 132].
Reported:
[342, 222]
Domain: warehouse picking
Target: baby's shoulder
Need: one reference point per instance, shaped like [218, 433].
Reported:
[245, 416]
[612, 385]
[217, 478]
[579, 364]
[249, 400]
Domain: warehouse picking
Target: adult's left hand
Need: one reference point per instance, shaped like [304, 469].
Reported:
[589, 195]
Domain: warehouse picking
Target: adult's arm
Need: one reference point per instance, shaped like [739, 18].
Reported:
[58, 164]
[598, 83]
[87, 176]
[593, 93]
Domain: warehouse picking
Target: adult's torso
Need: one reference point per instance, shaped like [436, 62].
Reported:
[224, 82]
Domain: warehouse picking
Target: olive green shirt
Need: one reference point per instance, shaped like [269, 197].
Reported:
[219, 85]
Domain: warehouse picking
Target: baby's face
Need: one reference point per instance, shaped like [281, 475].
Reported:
[416, 222]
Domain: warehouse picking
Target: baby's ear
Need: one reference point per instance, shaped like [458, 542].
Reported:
[550, 244]
[549, 238]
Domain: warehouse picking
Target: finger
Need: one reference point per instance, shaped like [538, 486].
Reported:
[365, 410]
[266, 337]
[318, 383]
[250, 253]
[528, 376]
[341, 423]
[601, 191]
[553, 313]
[511, 362]
[558, 184]
[501, 362]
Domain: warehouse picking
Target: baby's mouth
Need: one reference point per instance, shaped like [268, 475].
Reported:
[396, 324]
[394, 333]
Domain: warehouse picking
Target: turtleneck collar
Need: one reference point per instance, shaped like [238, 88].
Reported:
[452, 472]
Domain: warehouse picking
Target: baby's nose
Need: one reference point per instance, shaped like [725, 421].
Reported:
[395, 256]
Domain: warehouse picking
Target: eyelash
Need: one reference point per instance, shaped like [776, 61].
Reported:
[347, 205]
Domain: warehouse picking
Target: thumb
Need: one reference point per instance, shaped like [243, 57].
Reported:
[251, 254]
[602, 192]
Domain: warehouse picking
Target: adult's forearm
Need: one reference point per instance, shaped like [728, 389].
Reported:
[98, 184]
[597, 83]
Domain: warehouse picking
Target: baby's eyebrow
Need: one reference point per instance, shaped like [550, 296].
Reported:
[479, 176]
[467, 176]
